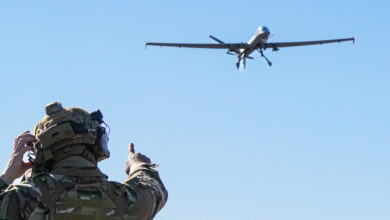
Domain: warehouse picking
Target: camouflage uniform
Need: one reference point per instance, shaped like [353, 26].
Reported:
[74, 188]
[84, 193]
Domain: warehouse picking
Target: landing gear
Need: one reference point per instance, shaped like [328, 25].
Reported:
[243, 63]
[262, 55]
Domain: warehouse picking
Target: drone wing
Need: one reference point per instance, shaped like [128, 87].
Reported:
[275, 46]
[234, 46]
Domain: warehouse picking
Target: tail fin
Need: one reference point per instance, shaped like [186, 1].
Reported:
[216, 39]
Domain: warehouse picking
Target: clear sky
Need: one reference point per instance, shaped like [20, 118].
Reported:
[307, 138]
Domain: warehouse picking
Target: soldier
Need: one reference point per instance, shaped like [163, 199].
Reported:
[65, 182]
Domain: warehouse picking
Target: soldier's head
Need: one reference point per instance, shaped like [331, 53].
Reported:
[67, 132]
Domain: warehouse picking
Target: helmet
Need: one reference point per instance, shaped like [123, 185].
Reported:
[69, 132]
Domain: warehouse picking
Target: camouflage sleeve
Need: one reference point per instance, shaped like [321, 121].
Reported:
[9, 205]
[149, 192]
[3, 185]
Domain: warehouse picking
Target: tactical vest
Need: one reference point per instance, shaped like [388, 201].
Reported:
[62, 198]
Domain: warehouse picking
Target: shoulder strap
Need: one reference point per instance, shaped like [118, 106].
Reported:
[51, 189]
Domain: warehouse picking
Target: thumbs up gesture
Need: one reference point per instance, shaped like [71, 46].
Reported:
[134, 160]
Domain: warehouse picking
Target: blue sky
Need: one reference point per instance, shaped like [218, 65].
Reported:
[307, 138]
